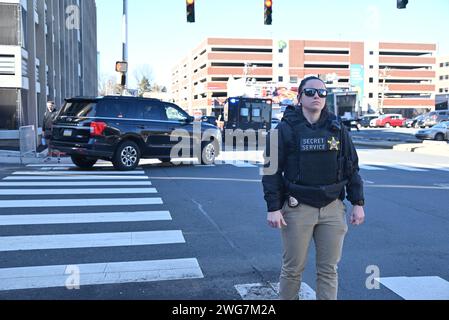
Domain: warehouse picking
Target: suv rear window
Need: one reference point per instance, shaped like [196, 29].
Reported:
[78, 109]
[118, 109]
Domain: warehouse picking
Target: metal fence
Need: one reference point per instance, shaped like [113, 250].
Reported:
[27, 136]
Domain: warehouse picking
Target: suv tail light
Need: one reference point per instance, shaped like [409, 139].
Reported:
[97, 128]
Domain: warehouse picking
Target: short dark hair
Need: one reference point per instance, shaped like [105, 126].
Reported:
[304, 82]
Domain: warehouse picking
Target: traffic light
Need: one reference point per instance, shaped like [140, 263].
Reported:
[268, 12]
[401, 4]
[190, 10]
[121, 66]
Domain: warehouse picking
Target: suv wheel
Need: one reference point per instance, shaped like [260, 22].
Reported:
[84, 162]
[127, 156]
[208, 153]
[439, 137]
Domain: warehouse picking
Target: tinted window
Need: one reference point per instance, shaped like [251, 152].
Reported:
[152, 111]
[119, 109]
[79, 109]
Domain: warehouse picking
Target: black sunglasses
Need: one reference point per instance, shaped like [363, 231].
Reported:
[310, 92]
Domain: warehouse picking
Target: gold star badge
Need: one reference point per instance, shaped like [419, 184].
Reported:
[333, 144]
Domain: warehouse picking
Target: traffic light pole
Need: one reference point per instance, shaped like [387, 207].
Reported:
[124, 42]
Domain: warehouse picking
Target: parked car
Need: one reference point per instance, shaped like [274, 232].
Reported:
[351, 123]
[390, 120]
[434, 117]
[124, 129]
[438, 132]
[373, 122]
[366, 119]
[413, 123]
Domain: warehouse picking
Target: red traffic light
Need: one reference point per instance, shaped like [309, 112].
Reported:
[190, 10]
[268, 12]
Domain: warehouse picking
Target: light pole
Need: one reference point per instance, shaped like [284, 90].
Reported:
[124, 41]
[384, 74]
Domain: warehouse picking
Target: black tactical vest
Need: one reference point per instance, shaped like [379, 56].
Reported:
[318, 154]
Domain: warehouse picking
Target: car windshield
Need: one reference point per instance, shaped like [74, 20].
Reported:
[441, 126]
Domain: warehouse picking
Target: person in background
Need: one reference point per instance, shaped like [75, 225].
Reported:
[49, 116]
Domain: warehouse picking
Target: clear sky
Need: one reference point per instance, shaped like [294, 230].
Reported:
[159, 35]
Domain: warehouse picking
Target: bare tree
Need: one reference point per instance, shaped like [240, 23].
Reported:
[107, 85]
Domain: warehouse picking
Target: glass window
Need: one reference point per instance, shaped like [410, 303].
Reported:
[78, 109]
[281, 79]
[9, 26]
[256, 113]
[371, 95]
[244, 112]
[152, 112]
[8, 109]
[174, 114]
[371, 80]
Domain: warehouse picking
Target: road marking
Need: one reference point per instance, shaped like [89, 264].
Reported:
[78, 202]
[366, 167]
[428, 166]
[75, 183]
[43, 177]
[260, 291]
[71, 218]
[240, 164]
[399, 186]
[26, 192]
[400, 167]
[100, 273]
[75, 173]
[93, 240]
[418, 288]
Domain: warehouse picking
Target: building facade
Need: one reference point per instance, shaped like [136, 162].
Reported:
[48, 51]
[392, 77]
[442, 83]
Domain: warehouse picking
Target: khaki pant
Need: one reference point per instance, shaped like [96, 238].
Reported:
[327, 227]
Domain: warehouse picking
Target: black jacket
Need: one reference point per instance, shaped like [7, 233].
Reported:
[49, 117]
[276, 186]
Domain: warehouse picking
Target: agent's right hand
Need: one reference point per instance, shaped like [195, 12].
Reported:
[276, 219]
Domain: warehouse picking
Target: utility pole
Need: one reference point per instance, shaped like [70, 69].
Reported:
[384, 74]
[124, 43]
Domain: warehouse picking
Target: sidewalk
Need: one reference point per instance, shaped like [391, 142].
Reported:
[438, 148]
[13, 157]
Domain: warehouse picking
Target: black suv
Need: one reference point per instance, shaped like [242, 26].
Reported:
[125, 129]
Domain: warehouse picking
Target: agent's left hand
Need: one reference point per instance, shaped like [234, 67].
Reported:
[357, 216]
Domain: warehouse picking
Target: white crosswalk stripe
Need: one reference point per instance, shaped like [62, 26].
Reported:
[73, 177]
[76, 173]
[127, 185]
[100, 273]
[25, 192]
[72, 218]
[65, 241]
[76, 184]
[78, 202]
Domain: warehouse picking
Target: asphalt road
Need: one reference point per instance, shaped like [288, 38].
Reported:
[221, 215]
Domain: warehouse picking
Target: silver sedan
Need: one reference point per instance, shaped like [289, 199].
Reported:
[439, 132]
